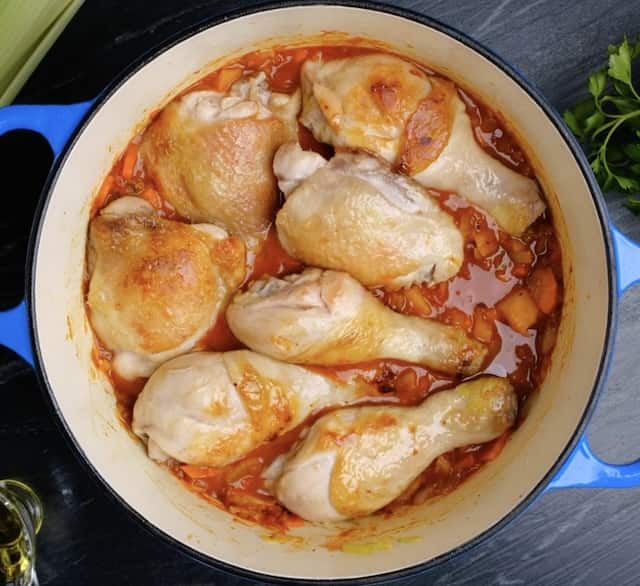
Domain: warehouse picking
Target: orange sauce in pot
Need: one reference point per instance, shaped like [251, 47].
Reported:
[497, 267]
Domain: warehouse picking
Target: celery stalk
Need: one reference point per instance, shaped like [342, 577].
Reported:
[28, 29]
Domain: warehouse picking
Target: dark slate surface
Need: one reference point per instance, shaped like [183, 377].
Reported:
[566, 537]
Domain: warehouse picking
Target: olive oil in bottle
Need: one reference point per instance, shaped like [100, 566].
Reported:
[15, 548]
[20, 520]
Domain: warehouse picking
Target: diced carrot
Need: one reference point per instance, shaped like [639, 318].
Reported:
[456, 317]
[300, 55]
[438, 294]
[196, 472]
[397, 300]
[443, 466]
[257, 59]
[468, 223]
[226, 77]
[548, 340]
[467, 462]
[486, 241]
[501, 275]
[246, 467]
[484, 328]
[105, 190]
[294, 521]
[406, 382]
[520, 271]
[129, 160]
[419, 305]
[518, 251]
[152, 196]
[544, 289]
[518, 309]
[496, 447]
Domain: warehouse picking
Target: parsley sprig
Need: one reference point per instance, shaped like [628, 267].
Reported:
[608, 123]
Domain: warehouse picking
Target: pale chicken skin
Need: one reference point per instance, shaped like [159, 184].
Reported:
[354, 214]
[156, 286]
[211, 154]
[328, 318]
[355, 461]
[212, 408]
[387, 106]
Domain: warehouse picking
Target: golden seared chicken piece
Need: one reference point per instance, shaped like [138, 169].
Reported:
[354, 214]
[211, 154]
[357, 460]
[211, 408]
[156, 286]
[417, 122]
[328, 318]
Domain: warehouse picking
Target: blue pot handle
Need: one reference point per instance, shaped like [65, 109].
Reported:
[56, 124]
[583, 468]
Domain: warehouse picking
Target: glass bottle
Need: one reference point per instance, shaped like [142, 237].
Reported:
[20, 521]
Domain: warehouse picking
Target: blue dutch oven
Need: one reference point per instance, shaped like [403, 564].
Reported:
[549, 451]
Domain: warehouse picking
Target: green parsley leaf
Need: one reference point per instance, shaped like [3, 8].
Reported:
[624, 105]
[608, 123]
[635, 51]
[597, 83]
[615, 155]
[593, 122]
[632, 150]
[572, 122]
[622, 88]
[632, 204]
[620, 63]
[627, 183]
[584, 109]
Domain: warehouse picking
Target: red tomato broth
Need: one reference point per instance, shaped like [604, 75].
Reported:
[494, 264]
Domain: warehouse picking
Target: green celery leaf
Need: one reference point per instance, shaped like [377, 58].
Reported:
[635, 169]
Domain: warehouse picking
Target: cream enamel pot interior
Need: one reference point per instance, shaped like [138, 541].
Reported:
[51, 330]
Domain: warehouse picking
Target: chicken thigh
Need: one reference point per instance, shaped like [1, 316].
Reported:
[328, 318]
[354, 214]
[389, 107]
[156, 286]
[210, 409]
[355, 461]
[211, 154]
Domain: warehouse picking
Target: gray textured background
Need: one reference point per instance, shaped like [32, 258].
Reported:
[566, 537]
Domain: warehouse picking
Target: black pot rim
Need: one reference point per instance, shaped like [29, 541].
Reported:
[532, 92]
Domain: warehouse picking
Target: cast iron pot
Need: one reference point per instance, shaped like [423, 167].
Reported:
[50, 329]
